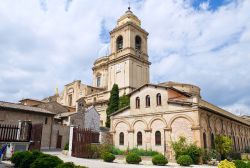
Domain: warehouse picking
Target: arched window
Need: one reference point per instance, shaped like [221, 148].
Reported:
[98, 81]
[157, 138]
[121, 138]
[212, 141]
[147, 101]
[119, 43]
[137, 42]
[137, 102]
[204, 140]
[139, 138]
[158, 99]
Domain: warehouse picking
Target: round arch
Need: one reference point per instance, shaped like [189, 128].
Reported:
[121, 121]
[180, 116]
[157, 118]
[137, 120]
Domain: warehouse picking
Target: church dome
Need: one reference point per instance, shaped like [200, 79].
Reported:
[128, 17]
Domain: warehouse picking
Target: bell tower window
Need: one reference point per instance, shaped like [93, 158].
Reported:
[137, 42]
[119, 43]
[98, 81]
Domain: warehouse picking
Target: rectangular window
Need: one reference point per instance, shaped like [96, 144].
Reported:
[46, 120]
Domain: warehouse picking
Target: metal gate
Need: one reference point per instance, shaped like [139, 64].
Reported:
[36, 136]
[82, 139]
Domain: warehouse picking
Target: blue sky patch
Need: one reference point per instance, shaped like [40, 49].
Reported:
[213, 5]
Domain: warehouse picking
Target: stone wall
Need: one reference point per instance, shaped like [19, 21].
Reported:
[13, 116]
[60, 130]
[214, 124]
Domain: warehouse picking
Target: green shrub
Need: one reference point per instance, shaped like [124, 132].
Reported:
[117, 151]
[17, 158]
[108, 157]
[66, 165]
[30, 158]
[226, 164]
[133, 158]
[184, 160]
[181, 147]
[98, 149]
[80, 167]
[235, 156]
[66, 146]
[159, 160]
[207, 155]
[142, 152]
[194, 152]
[248, 164]
[240, 164]
[46, 161]
[223, 145]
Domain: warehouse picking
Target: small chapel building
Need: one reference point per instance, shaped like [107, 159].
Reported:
[159, 114]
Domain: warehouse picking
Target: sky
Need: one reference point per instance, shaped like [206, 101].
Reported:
[45, 44]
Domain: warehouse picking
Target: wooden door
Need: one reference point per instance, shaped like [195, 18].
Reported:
[36, 136]
[59, 141]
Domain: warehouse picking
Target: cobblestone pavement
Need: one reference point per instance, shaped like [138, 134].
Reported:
[96, 163]
[6, 164]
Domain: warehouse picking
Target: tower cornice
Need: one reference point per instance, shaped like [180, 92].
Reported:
[128, 24]
[126, 56]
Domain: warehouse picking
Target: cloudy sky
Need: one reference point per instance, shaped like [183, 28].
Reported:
[46, 44]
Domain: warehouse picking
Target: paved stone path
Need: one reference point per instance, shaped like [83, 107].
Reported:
[6, 164]
[96, 163]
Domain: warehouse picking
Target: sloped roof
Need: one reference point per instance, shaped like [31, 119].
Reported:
[208, 106]
[16, 106]
[159, 86]
[120, 110]
[67, 114]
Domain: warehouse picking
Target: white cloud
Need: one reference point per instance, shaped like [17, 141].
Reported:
[47, 43]
[204, 5]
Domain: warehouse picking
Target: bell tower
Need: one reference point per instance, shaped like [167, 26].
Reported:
[128, 62]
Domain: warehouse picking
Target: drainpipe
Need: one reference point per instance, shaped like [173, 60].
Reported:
[164, 143]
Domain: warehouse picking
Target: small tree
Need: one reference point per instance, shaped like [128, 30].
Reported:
[113, 104]
[223, 145]
[179, 146]
[182, 147]
[123, 101]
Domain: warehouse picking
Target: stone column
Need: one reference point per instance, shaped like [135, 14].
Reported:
[197, 135]
[71, 138]
[130, 139]
[148, 144]
[19, 129]
[168, 150]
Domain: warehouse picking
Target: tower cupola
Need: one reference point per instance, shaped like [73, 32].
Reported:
[128, 17]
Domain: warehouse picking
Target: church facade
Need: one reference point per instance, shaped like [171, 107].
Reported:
[157, 114]
[127, 65]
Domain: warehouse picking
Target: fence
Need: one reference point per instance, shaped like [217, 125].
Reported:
[12, 133]
[81, 144]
